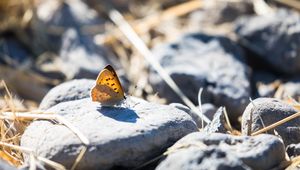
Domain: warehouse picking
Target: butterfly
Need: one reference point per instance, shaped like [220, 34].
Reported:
[108, 90]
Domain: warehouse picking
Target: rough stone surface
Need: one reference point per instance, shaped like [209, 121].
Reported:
[194, 115]
[194, 158]
[72, 90]
[218, 123]
[267, 111]
[275, 39]
[120, 136]
[198, 60]
[293, 150]
[222, 151]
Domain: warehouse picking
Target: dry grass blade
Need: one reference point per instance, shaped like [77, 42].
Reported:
[81, 136]
[149, 162]
[227, 120]
[272, 126]
[262, 8]
[279, 92]
[251, 114]
[32, 163]
[10, 100]
[294, 163]
[168, 14]
[31, 116]
[23, 149]
[53, 164]
[291, 3]
[250, 120]
[79, 157]
[131, 35]
[284, 165]
[200, 107]
[144, 25]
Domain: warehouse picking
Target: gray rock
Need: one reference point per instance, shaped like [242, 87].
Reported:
[198, 60]
[193, 114]
[68, 91]
[267, 111]
[194, 158]
[274, 37]
[293, 150]
[218, 123]
[209, 110]
[221, 151]
[120, 136]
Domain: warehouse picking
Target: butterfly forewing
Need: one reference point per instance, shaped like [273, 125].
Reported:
[108, 89]
[109, 77]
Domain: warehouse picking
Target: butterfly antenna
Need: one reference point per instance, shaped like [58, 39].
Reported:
[139, 44]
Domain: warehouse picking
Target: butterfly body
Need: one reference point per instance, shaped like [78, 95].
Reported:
[108, 90]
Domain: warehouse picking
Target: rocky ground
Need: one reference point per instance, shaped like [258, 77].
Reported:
[245, 55]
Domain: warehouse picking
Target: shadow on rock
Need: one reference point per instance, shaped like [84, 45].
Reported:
[127, 115]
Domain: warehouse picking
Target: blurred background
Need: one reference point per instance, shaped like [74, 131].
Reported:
[46, 42]
[238, 49]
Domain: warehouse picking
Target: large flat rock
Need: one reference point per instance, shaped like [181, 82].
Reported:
[121, 136]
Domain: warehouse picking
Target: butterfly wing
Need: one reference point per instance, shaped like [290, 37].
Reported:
[113, 79]
[108, 89]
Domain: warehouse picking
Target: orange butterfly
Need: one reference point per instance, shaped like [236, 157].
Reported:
[108, 90]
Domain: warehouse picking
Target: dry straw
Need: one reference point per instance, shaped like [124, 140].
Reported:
[13, 124]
